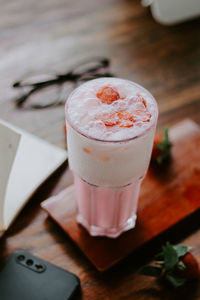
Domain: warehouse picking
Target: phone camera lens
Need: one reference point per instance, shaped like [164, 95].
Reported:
[21, 257]
[29, 262]
[39, 267]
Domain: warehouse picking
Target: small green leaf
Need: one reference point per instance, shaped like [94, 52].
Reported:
[160, 159]
[165, 145]
[151, 271]
[181, 250]
[166, 134]
[159, 256]
[181, 266]
[170, 257]
[175, 280]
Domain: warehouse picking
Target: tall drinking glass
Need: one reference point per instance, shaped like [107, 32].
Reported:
[111, 124]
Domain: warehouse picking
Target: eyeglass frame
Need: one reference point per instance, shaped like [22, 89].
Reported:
[70, 76]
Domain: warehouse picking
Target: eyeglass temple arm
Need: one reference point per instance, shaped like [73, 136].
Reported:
[69, 76]
[19, 101]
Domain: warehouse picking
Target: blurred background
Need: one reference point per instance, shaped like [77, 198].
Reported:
[51, 36]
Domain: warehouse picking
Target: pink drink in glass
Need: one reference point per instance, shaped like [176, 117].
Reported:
[111, 124]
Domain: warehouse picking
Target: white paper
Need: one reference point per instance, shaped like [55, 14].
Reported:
[9, 141]
[32, 161]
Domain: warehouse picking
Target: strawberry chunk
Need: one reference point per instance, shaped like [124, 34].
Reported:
[126, 119]
[108, 95]
[110, 119]
[142, 116]
[110, 122]
[126, 124]
[126, 116]
[156, 152]
[142, 100]
[192, 269]
[123, 119]
[161, 147]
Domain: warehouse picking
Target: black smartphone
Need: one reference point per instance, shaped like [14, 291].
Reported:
[26, 277]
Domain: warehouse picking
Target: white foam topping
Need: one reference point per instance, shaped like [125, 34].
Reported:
[127, 117]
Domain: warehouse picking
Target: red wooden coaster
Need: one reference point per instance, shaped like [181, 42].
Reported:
[167, 196]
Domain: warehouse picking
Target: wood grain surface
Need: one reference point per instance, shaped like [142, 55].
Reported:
[166, 198]
[44, 36]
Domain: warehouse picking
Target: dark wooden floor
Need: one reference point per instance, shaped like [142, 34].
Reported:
[43, 36]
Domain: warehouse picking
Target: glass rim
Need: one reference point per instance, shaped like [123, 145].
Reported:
[112, 141]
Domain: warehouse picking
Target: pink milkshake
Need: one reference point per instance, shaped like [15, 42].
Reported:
[111, 124]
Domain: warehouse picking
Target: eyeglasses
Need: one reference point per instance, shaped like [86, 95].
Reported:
[46, 90]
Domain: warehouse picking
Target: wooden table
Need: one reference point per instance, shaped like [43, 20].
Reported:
[38, 36]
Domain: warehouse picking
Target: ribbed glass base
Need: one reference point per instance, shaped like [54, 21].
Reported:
[106, 211]
[111, 232]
